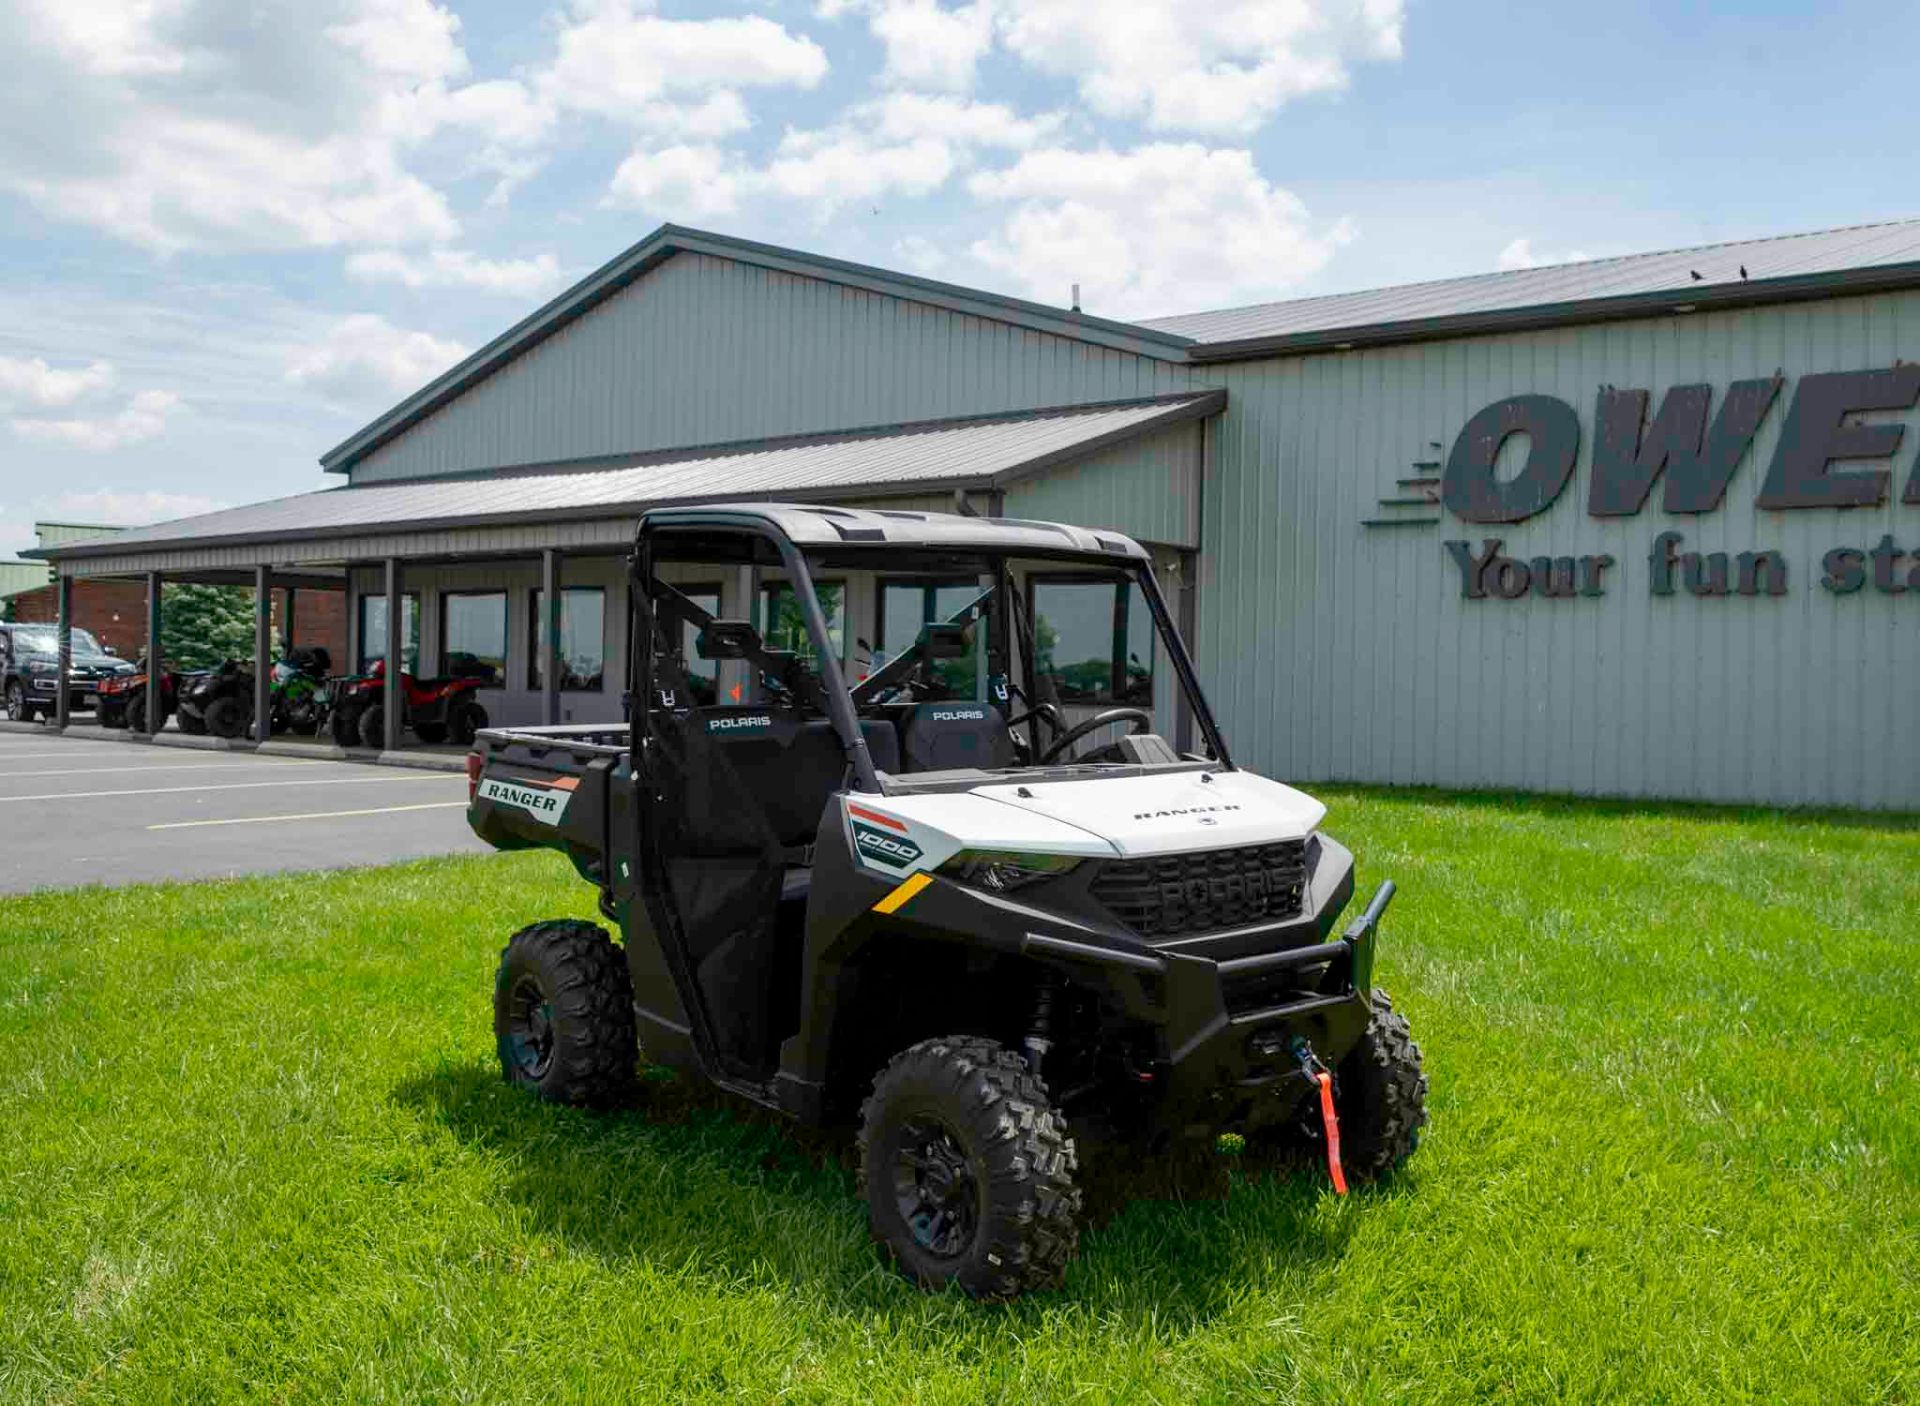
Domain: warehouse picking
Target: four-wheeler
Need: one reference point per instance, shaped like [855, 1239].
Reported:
[438, 710]
[123, 699]
[221, 702]
[30, 666]
[975, 914]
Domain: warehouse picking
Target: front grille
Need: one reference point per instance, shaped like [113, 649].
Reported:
[1177, 894]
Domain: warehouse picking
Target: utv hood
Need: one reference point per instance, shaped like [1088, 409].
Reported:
[1169, 813]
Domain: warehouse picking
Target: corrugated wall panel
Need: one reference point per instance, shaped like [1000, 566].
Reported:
[1148, 489]
[1337, 651]
[704, 350]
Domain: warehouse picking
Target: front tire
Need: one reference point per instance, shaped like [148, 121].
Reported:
[968, 1170]
[344, 724]
[373, 728]
[226, 717]
[467, 719]
[563, 1014]
[18, 709]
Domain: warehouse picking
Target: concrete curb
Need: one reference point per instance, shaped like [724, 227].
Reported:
[419, 761]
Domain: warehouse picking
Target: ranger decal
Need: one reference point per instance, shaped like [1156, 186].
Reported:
[548, 803]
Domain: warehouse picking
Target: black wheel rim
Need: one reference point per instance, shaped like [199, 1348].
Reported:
[935, 1188]
[530, 1028]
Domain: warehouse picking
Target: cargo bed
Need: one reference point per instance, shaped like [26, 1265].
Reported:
[564, 788]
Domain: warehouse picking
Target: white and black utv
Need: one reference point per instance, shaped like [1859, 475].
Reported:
[957, 889]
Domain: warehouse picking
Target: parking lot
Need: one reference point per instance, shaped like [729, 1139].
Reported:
[84, 812]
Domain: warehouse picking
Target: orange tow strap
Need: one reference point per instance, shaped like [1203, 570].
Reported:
[1331, 1121]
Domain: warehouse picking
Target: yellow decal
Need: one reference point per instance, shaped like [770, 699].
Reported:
[896, 900]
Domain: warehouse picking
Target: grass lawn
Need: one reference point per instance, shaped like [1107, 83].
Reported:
[253, 1147]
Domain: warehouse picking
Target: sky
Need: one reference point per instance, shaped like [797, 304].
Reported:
[235, 232]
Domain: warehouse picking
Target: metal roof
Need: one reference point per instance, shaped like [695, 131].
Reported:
[615, 275]
[1862, 258]
[972, 453]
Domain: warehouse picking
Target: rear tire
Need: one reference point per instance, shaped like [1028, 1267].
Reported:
[968, 1170]
[430, 733]
[344, 724]
[563, 1014]
[466, 720]
[226, 717]
[135, 716]
[193, 726]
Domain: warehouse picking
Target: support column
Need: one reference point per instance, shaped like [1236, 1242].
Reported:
[286, 618]
[262, 653]
[550, 645]
[156, 691]
[63, 663]
[396, 656]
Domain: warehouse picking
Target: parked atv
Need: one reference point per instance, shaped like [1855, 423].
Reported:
[222, 702]
[437, 710]
[974, 922]
[123, 700]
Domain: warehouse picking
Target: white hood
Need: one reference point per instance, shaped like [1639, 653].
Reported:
[1166, 814]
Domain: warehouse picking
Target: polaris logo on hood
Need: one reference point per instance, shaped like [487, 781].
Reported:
[1183, 810]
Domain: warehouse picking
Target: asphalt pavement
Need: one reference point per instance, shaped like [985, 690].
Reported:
[84, 812]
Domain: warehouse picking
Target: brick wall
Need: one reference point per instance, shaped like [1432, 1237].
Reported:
[115, 613]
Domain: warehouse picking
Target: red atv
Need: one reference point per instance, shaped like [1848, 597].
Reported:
[438, 710]
[123, 700]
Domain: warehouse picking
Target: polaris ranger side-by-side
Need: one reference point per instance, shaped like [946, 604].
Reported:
[1000, 890]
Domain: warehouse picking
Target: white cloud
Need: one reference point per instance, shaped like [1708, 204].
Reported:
[678, 182]
[456, 268]
[907, 143]
[1224, 66]
[29, 381]
[1160, 229]
[180, 125]
[365, 358]
[143, 418]
[1520, 255]
[617, 59]
[928, 45]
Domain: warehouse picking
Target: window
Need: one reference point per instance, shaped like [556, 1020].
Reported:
[1088, 634]
[473, 636]
[703, 675]
[373, 631]
[907, 605]
[583, 639]
[785, 627]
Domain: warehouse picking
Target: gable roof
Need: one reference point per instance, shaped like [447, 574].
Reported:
[975, 453]
[1825, 263]
[669, 240]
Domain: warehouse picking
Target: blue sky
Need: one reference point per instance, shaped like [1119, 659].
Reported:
[236, 231]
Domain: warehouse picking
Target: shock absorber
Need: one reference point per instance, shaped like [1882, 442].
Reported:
[1040, 1036]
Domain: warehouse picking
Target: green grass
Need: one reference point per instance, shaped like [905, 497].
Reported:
[253, 1147]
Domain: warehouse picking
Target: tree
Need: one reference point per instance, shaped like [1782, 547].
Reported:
[202, 626]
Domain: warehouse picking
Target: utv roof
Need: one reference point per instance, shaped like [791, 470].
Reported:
[814, 525]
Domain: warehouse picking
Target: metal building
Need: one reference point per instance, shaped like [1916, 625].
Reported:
[1639, 526]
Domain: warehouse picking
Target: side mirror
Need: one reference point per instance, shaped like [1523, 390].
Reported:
[110, 650]
[944, 641]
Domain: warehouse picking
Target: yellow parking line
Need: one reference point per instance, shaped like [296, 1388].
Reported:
[312, 815]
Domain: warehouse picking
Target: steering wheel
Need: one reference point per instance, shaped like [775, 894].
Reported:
[1141, 719]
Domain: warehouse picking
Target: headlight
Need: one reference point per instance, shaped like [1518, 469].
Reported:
[1003, 872]
[41, 666]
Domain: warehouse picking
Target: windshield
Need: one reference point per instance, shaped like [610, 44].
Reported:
[46, 640]
[950, 663]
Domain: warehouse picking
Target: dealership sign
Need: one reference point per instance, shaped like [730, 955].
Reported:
[1688, 451]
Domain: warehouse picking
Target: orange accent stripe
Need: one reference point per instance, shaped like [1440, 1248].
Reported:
[898, 899]
[565, 783]
[875, 816]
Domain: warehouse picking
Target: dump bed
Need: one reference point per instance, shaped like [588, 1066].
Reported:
[563, 788]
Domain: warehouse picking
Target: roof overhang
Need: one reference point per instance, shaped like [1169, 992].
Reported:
[669, 240]
[983, 453]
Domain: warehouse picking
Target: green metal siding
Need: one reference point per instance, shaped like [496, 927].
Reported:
[705, 350]
[1334, 650]
[1147, 489]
